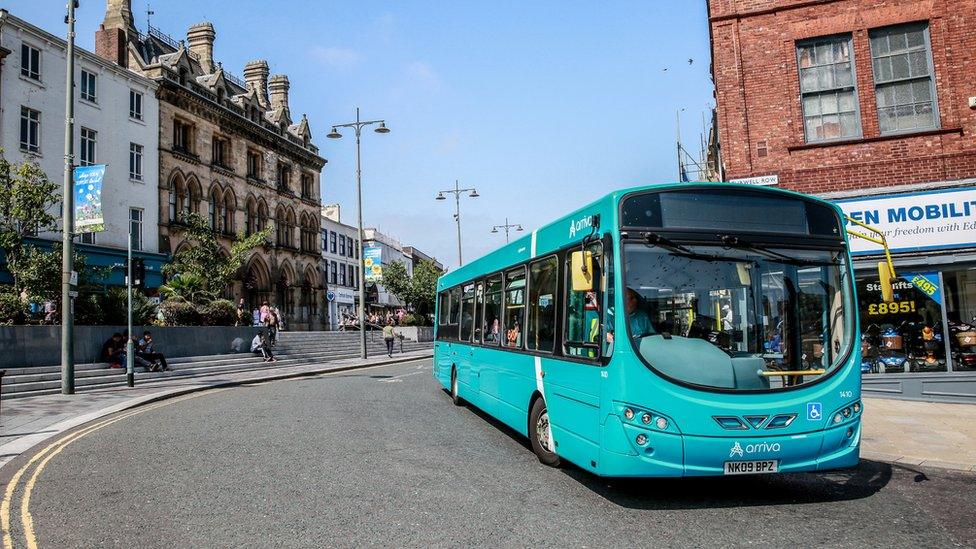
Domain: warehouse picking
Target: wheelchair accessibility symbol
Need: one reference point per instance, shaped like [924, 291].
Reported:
[814, 411]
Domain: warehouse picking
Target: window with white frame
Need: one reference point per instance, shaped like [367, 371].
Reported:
[904, 82]
[30, 62]
[135, 161]
[88, 238]
[135, 227]
[828, 90]
[342, 245]
[342, 275]
[89, 86]
[30, 130]
[135, 105]
[332, 242]
[89, 141]
[333, 272]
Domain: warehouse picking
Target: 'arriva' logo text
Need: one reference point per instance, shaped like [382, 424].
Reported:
[579, 225]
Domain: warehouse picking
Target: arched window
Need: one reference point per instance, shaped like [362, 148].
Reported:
[171, 211]
[220, 95]
[215, 208]
[227, 213]
[183, 74]
[262, 215]
[250, 216]
[280, 227]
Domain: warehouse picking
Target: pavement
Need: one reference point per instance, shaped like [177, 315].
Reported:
[26, 422]
[924, 434]
[381, 457]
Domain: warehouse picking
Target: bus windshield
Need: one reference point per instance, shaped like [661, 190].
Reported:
[738, 318]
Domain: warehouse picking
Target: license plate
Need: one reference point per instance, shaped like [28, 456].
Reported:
[751, 467]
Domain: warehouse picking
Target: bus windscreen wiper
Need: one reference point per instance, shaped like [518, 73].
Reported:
[655, 239]
[732, 241]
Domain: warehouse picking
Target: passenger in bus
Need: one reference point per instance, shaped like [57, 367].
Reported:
[514, 336]
[640, 322]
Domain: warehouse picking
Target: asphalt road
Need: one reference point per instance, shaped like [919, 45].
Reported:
[381, 457]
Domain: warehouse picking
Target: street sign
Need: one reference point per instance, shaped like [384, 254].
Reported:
[73, 293]
[73, 279]
[762, 180]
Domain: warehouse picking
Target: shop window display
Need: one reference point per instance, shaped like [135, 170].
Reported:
[960, 292]
[906, 335]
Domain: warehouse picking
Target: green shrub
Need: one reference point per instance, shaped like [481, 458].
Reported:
[219, 312]
[90, 310]
[12, 309]
[413, 319]
[177, 312]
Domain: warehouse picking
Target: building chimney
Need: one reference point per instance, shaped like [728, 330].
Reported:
[200, 38]
[256, 75]
[278, 86]
[112, 38]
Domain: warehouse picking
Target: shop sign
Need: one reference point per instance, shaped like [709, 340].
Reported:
[373, 263]
[916, 222]
[88, 199]
[344, 296]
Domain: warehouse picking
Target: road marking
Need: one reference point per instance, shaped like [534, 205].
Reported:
[25, 516]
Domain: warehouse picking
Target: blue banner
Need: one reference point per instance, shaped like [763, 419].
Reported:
[373, 263]
[88, 199]
[927, 283]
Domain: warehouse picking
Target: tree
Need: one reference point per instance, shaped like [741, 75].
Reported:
[398, 282]
[425, 275]
[205, 267]
[417, 291]
[27, 198]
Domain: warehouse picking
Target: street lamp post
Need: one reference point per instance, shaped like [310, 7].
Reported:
[67, 215]
[507, 227]
[358, 126]
[457, 190]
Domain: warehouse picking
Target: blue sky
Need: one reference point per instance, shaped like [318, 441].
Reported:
[541, 105]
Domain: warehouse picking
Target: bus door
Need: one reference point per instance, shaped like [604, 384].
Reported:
[448, 318]
[574, 383]
[465, 351]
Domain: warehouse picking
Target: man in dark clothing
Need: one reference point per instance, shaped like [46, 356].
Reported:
[147, 351]
[113, 351]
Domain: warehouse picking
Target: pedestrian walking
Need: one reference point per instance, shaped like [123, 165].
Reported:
[388, 337]
[271, 323]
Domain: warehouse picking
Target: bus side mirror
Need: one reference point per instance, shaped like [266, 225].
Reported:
[884, 276]
[581, 268]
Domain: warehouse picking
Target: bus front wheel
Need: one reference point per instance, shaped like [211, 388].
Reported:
[458, 401]
[540, 434]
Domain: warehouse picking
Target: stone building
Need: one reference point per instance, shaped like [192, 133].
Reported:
[229, 150]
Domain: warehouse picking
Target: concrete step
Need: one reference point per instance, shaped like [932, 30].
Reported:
[90, 380]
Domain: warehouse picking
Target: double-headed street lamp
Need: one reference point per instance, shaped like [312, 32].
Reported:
[358, 125]
[507, 227]
[457, 190]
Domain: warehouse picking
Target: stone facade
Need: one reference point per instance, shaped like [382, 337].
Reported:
[229, 151]
[758, 90]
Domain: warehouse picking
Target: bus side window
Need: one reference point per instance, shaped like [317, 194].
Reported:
[467, 313]
[443, 312]
[608, 297]
[455, 316]
[491, 313]
[543, 287]
[584, 316]
[479, 297]
[514, 310]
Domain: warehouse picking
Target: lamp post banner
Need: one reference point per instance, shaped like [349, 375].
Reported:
[373, 263]
[88, 199]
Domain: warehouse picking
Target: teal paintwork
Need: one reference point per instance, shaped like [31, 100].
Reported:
[586, 401]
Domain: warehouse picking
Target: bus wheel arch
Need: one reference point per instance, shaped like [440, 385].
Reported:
[540, 433]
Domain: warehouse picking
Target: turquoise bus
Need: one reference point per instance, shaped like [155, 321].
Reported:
[668, 330]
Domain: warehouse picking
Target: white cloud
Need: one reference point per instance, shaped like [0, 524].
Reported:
[339, 58]
[422, 73]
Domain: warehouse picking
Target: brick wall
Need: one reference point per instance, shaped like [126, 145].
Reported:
[757, 91]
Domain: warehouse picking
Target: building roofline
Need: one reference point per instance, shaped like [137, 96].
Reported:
[61, 43]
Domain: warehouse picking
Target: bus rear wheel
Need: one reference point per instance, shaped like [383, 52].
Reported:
[540, 434]
[455, 397]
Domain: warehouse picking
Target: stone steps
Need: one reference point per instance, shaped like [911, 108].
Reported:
[292, 350]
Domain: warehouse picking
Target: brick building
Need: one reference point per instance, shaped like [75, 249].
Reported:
[871, 103]
[230, 151]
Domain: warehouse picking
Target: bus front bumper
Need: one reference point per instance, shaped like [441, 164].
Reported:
[672, 455]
